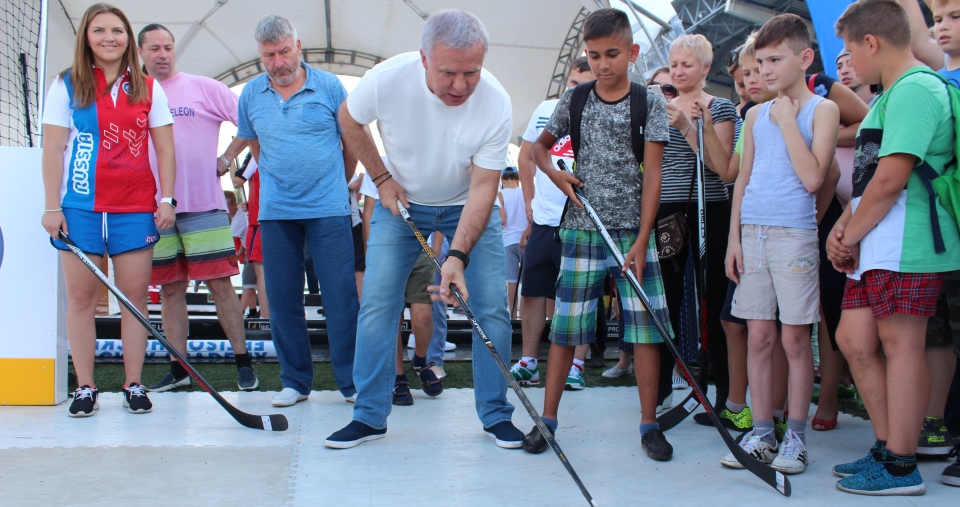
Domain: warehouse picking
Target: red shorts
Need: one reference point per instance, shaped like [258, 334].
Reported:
[889, 292]
[254, 253]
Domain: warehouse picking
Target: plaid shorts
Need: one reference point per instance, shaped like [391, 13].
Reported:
[888, 292]
[584, 263]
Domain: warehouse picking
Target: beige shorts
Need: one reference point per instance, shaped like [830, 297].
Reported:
[781, 270]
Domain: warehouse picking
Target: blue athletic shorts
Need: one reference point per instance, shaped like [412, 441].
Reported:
[97, 233]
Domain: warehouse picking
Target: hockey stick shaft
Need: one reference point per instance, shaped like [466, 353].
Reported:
[537, 420]
[764, 472]
[275, 422]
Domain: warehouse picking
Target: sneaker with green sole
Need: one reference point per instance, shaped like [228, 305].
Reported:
[524, 375]
[575, 380]
[780, 427]
[935, 440]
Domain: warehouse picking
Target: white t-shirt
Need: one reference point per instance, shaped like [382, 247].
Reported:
[432, 145]
[354, 207]
[239, 226]
[548, 200]
[516, 215]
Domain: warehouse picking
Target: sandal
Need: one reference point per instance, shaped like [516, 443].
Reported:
[824, 424]
[432, 386]
[401, 393]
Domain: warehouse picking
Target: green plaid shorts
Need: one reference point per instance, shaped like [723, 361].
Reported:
[584, 263]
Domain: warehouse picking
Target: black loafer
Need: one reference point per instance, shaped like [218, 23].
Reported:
[656, 445]
[534, 442]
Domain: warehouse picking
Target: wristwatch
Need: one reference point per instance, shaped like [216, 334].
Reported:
[464, 258]
[169, 200]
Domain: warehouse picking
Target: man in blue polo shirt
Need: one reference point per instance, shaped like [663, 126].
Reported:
[289, 116]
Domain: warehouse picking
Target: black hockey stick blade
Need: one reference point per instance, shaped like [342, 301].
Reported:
[537, 420]
[772, 477]
[274, 422]
[678, 413]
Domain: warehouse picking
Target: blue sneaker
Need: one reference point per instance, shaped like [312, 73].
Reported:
[353, 435]
[848, 469]
[505, 434]
[876, 481]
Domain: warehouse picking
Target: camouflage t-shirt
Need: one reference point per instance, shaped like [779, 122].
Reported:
[606, 165]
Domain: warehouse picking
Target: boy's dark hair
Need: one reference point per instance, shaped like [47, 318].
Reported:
[581, 64]
[150, 28]
[607, 22]
[788, 28]
[884, 19]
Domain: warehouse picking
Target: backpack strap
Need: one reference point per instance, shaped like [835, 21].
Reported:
[927, 174]
[812, 82]
[638, 119]
[577, 102]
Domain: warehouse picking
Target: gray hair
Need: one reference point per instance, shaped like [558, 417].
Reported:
[273, 29]
[455, 28]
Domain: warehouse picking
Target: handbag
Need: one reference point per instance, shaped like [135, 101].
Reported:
[673, 231]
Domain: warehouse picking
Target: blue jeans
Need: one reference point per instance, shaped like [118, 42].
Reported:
[439, 338]
[330, 241]
[392, 250]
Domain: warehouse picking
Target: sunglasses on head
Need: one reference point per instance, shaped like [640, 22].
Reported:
[733, 58]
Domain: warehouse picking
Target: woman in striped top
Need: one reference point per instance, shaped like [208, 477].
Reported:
[690, 57]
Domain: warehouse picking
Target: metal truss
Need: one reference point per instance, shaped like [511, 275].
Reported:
[570, 50]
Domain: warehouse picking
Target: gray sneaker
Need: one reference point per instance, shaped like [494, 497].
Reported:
[169, 382]
[247, 379]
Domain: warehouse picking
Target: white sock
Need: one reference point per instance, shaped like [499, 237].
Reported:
[578, 362]
[736, 408]
[531, 362]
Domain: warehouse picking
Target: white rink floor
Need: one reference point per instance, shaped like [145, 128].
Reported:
[190, 452]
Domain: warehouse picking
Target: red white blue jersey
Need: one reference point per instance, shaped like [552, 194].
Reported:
[106, 166]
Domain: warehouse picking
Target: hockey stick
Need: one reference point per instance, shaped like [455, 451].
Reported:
[680, 412]
[537, 420]
[26, 99]
[275, 422]
[772, 477]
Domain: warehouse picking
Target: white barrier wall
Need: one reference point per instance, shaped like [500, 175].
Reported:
[33, 340]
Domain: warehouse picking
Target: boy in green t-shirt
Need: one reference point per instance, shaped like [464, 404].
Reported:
[884, 242]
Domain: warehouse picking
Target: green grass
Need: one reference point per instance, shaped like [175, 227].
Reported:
[109, 377]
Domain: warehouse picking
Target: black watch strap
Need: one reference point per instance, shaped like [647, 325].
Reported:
[464, 258]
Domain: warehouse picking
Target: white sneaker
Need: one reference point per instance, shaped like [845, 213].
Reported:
[667, 404]
[287, 397]
[412, 342]
[350, 399]
[755, 446]
[793, 455]
[448, 347]
[614, 372]
[680, 383]
[438, 371]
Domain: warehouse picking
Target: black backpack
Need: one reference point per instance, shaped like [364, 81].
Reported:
[638, 118]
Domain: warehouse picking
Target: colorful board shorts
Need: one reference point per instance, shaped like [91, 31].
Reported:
[96, 233]
[584, 264]
[198, 247]
[888, 292]
[254, 251]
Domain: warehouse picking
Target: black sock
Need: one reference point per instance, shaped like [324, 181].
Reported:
[878, 448]
[401, 378]
[177, 370]
[243, 360]
[418, 361]
[899, 465]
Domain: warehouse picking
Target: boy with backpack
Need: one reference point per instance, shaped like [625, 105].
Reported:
[787, 151]
[607, 113]
[894, 241]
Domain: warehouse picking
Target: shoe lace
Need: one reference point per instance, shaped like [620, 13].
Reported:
[83, 393]
[753, 439]
[792, 445]
[955, 452]
[135, 390]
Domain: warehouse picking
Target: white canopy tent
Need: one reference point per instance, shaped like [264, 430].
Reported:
[215, 37]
